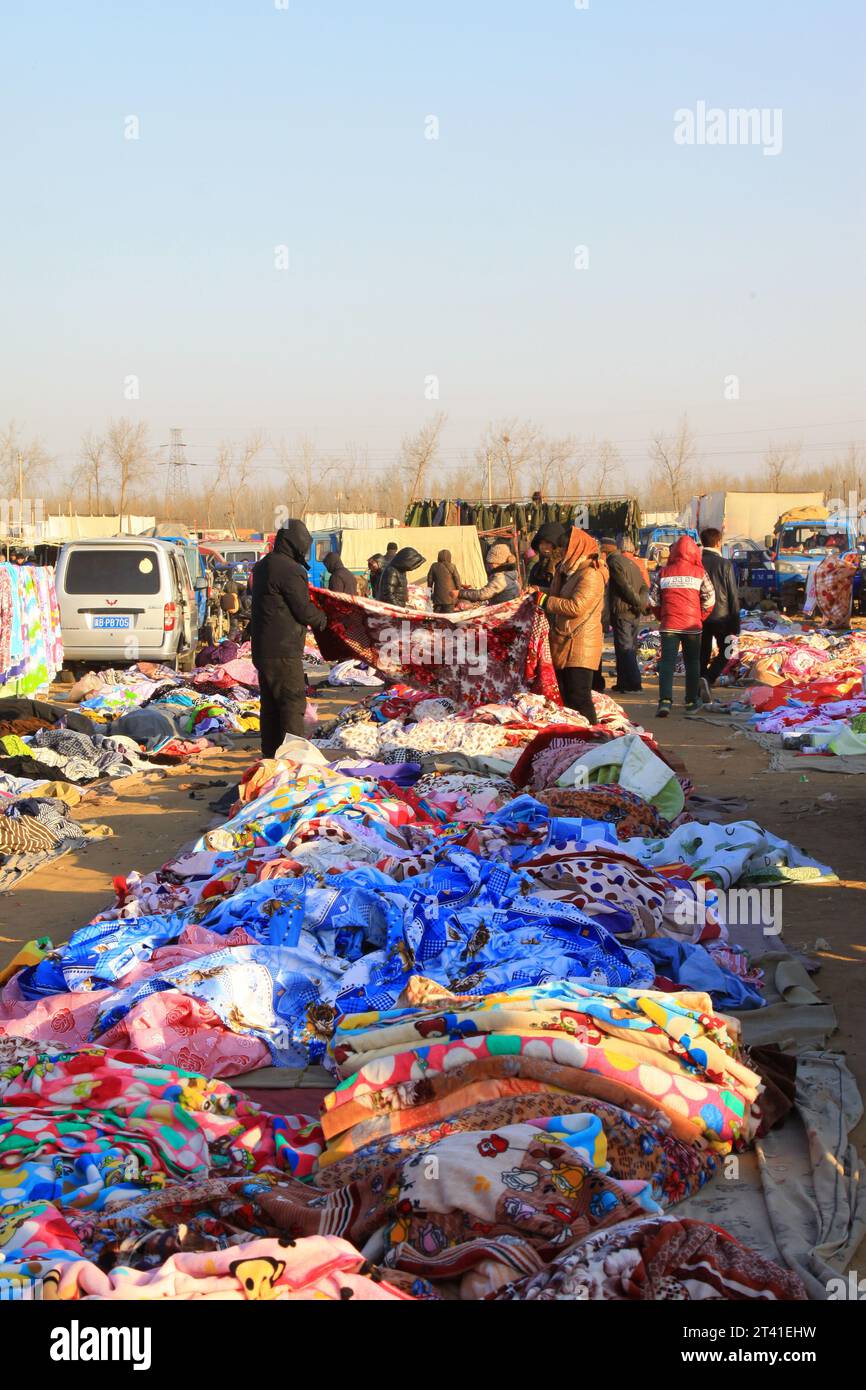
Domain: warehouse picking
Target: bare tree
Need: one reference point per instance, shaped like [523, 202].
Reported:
[93, 468]
[508, 450]
[553, 461]
[673, 460]
[356, 468]
[607, 465]
[35, 463]
[305, 473]
[779, 460]
[234, 473]
[130, 458]
[417, 452]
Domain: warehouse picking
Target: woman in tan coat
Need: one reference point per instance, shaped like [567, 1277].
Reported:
[574, 607]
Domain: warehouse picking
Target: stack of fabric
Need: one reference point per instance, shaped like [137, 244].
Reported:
[797, 655]
[218, 698]
[68, 756]
[441, 733]
[35, 829]
[806, 699]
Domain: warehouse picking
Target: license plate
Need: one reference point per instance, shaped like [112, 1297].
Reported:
[112, 620]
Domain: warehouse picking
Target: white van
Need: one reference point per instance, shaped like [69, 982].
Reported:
[127, 599]
[242, 552]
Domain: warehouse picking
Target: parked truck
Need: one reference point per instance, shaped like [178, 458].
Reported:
[802, 537]
[744, 515]
[654, 542]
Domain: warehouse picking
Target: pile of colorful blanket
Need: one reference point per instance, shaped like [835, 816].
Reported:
[220, 696]
[806, 695]
[515, 977]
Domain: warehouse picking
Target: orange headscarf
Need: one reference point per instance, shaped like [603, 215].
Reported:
[581, 546]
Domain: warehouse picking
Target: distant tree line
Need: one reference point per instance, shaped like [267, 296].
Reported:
[247, 483]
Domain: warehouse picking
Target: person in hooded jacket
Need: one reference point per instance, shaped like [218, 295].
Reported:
[573, 607]
[549, 544]
[394, 583]
[502, 582]
[342, 580]
[443, 581]
[281, 613]
[682, 597]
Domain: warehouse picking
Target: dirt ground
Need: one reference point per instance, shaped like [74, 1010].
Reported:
[152, 819]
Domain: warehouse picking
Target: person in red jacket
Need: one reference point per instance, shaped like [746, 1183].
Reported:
[682, 597]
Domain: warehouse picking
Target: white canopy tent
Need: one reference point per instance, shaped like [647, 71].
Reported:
[462, 541]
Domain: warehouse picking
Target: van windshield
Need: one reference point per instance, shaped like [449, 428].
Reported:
[240, 557]
[119, 571]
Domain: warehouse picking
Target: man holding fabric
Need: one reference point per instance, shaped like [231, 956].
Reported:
[281, 613]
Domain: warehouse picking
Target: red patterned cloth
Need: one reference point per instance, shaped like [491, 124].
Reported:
[482, 656]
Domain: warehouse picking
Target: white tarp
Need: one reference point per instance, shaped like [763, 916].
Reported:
[54, 529]
[462, 541]
[352, 521]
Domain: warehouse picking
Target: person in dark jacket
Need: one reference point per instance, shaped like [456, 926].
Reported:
[342, 580]
[443, 581]
[281, 613]
[374, 570]
[549, 544]
[627, 601]
[394, 584]
[390, 551]
[724, 621]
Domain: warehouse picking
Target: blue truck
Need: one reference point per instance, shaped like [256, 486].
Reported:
[662, 535]
[799, 544]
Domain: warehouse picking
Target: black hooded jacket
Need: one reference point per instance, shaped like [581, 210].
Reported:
[282, 608]
[342, 580]
[394, 585]
[555, 534]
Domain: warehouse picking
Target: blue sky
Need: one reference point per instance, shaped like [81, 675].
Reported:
[411, 257]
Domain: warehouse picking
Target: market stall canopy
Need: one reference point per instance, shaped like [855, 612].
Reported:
[462, 541]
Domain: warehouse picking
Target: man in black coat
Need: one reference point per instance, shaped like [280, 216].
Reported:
[394, 584]
[281, 613]
[342, 580]
[724, 621]
[627, 598]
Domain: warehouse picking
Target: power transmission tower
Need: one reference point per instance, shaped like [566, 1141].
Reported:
[177, 482]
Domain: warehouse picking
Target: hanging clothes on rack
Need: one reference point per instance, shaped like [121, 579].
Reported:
[31, 647]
